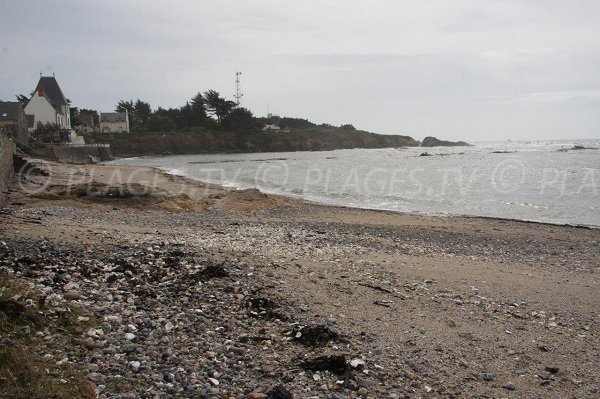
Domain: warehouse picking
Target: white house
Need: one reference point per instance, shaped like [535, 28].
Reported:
[49, 105]
[271, 128]
[114, 122]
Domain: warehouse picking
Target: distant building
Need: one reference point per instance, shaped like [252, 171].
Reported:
[114, 122]
[49, 105]
[13, 121]
[87, 122]
[271, 128]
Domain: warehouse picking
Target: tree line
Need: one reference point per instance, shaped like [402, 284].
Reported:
[206, 110]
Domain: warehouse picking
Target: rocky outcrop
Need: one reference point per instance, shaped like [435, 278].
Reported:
[576, 148]
[7, 150]
[434, 142]
[317, 139]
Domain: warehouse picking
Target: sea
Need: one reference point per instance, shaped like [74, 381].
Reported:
[542, 181]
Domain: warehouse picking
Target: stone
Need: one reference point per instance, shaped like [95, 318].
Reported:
[72, 295]
[135, 365]
[487, 376]
[95, 377]
[509, 386]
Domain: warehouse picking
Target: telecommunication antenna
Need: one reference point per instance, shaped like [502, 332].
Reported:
[238, 92]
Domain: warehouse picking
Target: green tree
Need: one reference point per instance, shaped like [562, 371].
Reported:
[93, 113]
[198, 107]
[45, 133]
[22, 99]
[217, 105]
[75, 116]
[160, 123]
[240, 119]
[123, 106]
[138, 112]
[142, 111]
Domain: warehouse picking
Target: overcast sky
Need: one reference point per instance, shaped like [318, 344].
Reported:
[473, 70]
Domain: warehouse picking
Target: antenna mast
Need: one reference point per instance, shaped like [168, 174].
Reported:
[238, 92]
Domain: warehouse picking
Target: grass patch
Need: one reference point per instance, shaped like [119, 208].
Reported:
[24, 373]
[18, 307]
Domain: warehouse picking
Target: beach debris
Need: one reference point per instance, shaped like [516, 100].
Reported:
[357, 363]
[334, 363]
[314, 335]
[279, 392]
[377, 288]
[386, 304]
[210, 271]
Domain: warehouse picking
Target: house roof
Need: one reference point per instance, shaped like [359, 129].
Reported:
[51, 90]
[112, 117]
[9, 110]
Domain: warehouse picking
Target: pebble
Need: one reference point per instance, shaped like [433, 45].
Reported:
[188, 335]
[487, 376]
[72, 295]
[509, 386]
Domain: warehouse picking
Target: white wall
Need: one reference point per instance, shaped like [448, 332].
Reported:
[45, 113]
[114, 127]
[41, 109]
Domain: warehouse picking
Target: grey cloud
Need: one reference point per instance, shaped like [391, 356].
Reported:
[458, 70]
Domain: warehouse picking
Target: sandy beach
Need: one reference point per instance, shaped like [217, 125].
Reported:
[201, 291]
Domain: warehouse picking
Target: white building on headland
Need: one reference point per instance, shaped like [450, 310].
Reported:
[114, 122]
[275, 128]
[49, 105]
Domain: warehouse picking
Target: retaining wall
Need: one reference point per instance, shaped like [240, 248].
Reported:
[7, 150]
[89, 153]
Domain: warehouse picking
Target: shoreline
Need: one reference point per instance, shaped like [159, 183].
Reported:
[366, 208]
[195, 289]
[528, 207]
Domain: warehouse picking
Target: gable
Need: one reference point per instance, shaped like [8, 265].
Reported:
[48, 88]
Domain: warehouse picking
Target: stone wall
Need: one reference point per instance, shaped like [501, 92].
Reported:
[80, 154]
[7, 150]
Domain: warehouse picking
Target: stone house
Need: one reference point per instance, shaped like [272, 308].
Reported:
[13, 121]
[114, 122]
